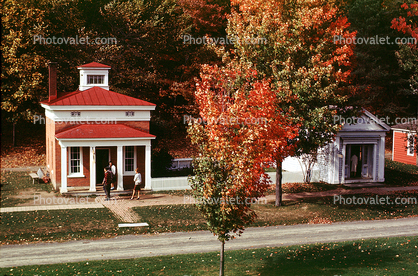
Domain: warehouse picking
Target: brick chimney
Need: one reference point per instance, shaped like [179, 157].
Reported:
[52, 66]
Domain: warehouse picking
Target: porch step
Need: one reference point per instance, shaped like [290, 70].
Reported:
[99, 192]
[364, 185]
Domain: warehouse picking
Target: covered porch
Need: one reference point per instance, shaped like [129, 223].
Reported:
[85, 152]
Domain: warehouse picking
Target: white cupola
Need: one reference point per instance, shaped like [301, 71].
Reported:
[94, 74]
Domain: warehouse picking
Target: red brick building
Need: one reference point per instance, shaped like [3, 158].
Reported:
[92, 125]
[403, 149]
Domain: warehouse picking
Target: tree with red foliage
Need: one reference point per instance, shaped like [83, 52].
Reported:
[408, 54]
[240, 130]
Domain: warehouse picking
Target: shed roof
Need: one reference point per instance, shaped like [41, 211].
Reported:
[94, 65]
[96, 96]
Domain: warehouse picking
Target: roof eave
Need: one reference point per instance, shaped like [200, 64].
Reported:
[99, 107]
[106, 139]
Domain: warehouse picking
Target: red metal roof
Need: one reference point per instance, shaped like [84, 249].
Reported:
[97, 96]
[94, 65]
[91, 131]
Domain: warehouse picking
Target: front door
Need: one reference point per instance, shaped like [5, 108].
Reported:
[359, 161]
[102, 161]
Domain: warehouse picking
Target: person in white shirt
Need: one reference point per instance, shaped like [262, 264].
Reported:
[113, 170]
[354, 163]
[137, 181]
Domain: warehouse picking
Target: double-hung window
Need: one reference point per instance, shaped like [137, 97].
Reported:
[129, 159]
[75, 161]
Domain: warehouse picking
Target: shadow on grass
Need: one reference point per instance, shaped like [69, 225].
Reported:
[369, 257]
[399, 174]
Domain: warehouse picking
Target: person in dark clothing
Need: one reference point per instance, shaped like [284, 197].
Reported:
[107, 182]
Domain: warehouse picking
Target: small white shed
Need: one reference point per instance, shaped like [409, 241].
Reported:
[357, 153]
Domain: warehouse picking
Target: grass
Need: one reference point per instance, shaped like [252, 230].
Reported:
[12, 183]
[383, 256]
[175, 218]
[62, 225]
[57, 225]
[399, 174]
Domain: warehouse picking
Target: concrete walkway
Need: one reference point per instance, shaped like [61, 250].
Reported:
[130, 246]
[50, 207]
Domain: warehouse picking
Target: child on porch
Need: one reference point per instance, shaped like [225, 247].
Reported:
[137, 180]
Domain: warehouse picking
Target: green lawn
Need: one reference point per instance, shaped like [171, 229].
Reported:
[14, 182]
[383, 256]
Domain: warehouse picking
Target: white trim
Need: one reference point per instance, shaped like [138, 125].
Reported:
[393, 144]
[104, 142]
[92, 151]
[119, 167]
[404, 130]
[376, 120]
[63, 188]
[104, 117]
[148, 167]
[79, 174]
[98, 107]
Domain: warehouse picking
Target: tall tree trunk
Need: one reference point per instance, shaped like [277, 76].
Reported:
[278, 183]
[221, 265]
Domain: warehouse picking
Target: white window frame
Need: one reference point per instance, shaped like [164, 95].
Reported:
[409, 145]
[125, 172]
[79, 174]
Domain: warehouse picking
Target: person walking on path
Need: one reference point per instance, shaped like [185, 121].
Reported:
[113, 170]
[107, 179]
[137, 181]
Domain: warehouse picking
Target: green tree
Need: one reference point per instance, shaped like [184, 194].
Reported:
[308, 68]
[381, 85]
[23, 64]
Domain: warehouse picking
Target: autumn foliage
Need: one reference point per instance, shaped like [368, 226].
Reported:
[241, 131]
[407, 25]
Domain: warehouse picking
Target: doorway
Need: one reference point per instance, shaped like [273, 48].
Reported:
[102, 161]
[359, 162]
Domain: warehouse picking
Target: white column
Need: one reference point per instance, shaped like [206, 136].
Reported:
[148, 167]
[375, 160]
[64, 165]
[342, 160]
[119, 168]
[92, 169]
[381, 177]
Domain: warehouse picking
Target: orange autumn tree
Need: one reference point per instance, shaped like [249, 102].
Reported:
[240, 130]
